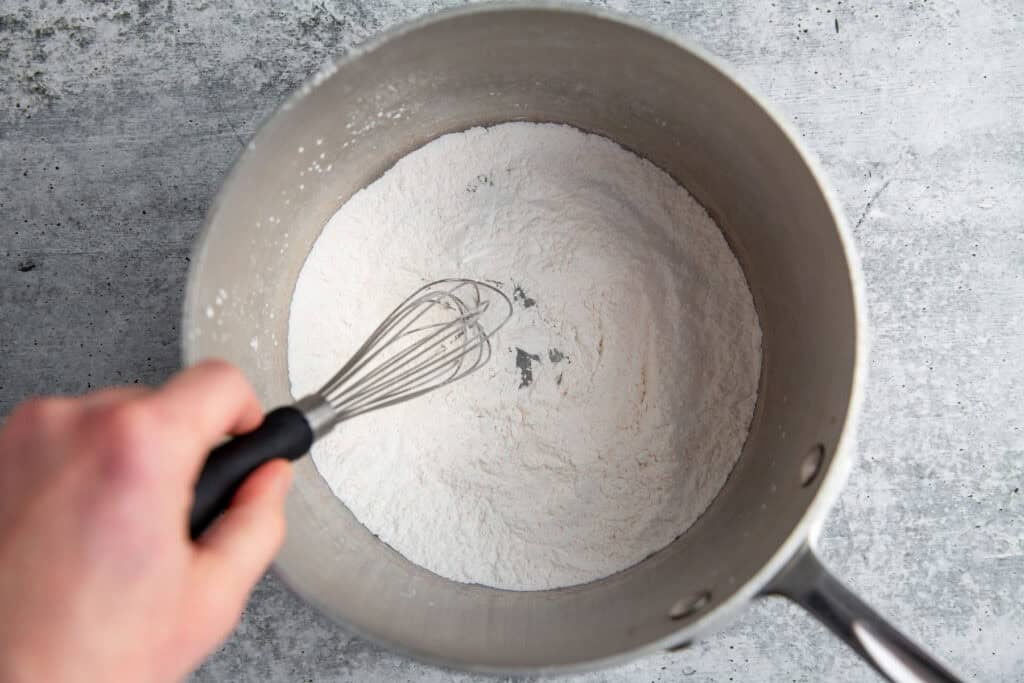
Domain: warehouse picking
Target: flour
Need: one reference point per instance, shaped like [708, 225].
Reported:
[620, 392]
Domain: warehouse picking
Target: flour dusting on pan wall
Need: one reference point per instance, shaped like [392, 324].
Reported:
[620, 393]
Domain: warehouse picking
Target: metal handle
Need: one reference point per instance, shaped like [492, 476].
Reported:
[808, 583]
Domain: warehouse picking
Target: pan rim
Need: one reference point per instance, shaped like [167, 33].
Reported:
[808, 527]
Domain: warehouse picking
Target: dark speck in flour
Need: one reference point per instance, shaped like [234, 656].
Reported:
[479, 182]
[525, 361]
[556, 356]
[521, 297]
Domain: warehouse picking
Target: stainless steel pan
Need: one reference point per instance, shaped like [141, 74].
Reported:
[676, 106]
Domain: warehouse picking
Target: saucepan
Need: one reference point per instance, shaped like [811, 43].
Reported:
[676, 106]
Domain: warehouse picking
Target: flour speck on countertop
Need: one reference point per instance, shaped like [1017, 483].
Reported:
[620, 392]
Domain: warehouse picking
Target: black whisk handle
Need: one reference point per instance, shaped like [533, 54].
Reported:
[284, 433]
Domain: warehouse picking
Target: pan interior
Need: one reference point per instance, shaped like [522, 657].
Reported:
[650, 95]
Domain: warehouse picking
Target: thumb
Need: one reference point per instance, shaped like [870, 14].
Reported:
[233, 554]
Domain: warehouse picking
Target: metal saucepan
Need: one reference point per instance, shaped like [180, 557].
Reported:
[676, 106]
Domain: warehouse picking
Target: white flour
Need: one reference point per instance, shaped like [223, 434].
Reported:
[621, 390]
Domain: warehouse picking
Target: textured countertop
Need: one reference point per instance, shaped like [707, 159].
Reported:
[118, 120]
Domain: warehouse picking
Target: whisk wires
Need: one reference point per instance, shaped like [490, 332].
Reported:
[440, 334]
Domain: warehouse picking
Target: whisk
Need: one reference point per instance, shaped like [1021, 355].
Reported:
[437, 336]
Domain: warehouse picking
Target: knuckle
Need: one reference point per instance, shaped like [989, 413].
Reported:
[124, 432]
[225, 370]
[231, 376]
[126, 422]
[38, 412]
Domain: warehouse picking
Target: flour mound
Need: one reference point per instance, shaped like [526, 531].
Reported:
[620, 392]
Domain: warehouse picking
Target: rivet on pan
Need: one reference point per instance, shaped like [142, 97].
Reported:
[687, 607]
[812, 464]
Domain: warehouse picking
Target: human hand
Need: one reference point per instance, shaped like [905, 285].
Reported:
[98, 578]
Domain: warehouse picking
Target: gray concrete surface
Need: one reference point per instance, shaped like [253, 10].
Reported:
[118, 119]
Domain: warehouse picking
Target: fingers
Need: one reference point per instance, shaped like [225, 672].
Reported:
[232, 556]
[207, 401]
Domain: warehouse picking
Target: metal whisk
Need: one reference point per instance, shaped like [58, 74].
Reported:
[440, 334]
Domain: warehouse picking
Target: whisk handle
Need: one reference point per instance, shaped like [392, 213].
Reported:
[284, 433]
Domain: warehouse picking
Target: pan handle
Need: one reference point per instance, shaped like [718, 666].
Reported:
[808, 583]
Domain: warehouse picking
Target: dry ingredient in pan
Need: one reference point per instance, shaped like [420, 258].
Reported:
[620, 392]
